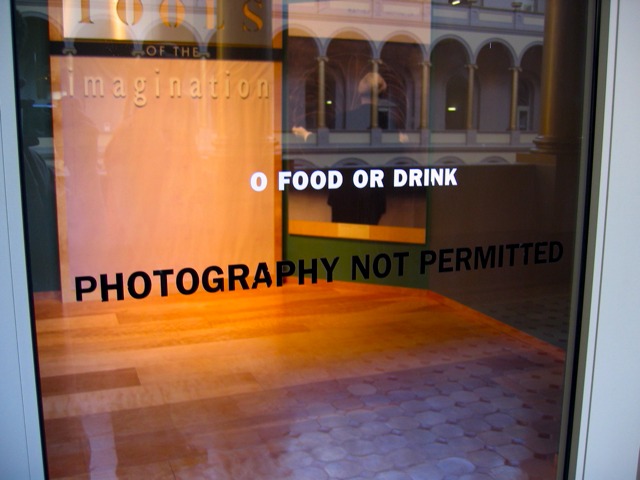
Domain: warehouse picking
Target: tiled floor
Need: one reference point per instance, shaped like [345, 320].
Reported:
[540, 312]
[370, 383]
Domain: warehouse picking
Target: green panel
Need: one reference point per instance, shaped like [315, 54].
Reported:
[389, 263]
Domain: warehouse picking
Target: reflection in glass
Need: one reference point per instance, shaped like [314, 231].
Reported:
[194, 320]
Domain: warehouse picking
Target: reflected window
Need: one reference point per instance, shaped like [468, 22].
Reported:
[525, 106]
[456, 103]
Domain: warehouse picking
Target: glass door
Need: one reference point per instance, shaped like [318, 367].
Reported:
[304, 239]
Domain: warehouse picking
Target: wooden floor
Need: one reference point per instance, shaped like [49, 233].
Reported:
[335, 380]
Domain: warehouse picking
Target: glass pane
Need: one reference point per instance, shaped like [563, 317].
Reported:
[307, 239]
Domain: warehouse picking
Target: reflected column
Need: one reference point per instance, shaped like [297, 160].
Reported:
[322, 122]
[424, 98]
[513, 118]
[374, 92]
[562, 77]
[471, 68]
[556, 149]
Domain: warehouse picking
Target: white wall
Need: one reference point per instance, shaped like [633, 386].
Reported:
[609, 434]
[20, 447]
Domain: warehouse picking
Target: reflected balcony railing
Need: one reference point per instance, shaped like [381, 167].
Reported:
[515, 16]
[325, 139]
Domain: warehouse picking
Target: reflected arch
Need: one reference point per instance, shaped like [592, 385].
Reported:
[449, 160]
[301, 59]
[499, 43]
[494, 76]
[402, 162]
[349, 62]
[302, 164]
[351, 162]
[494, 160]
[529, 89]
[401, 70]
[448, 82]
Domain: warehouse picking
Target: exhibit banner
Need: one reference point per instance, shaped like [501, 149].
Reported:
[154, 153]
[153, 161]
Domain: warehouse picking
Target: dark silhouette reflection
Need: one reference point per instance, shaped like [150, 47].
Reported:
[36, 124]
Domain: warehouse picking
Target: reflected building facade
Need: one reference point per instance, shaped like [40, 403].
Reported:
[461, 83]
